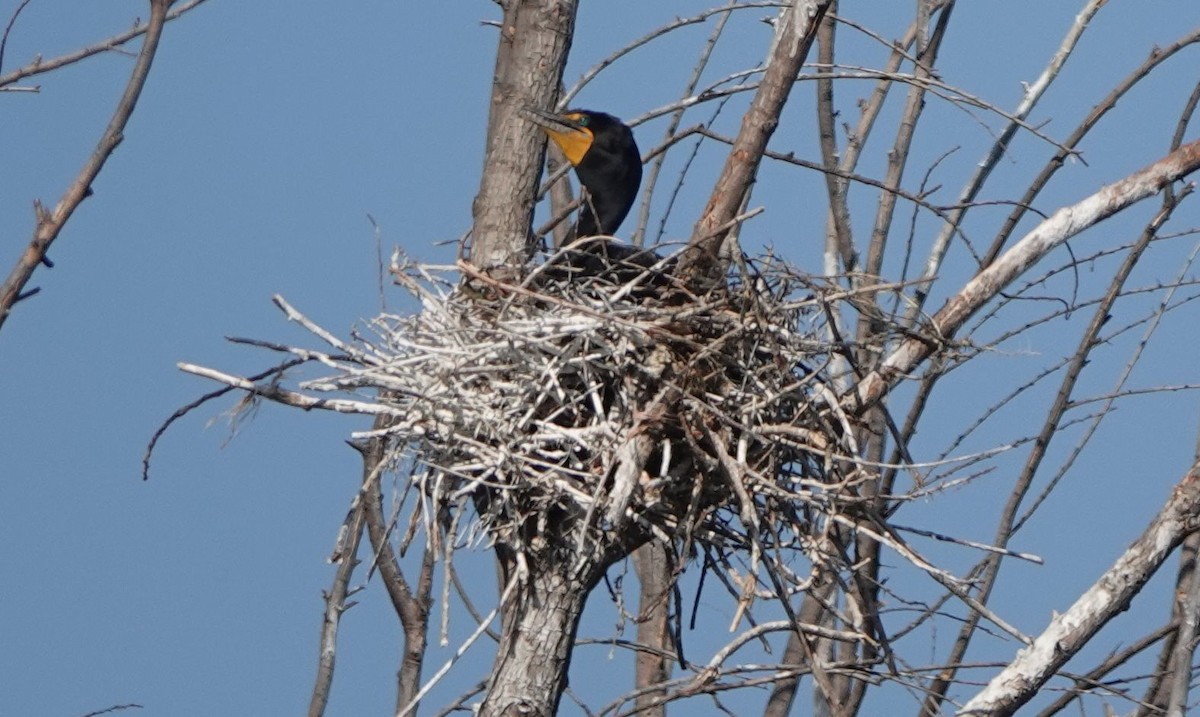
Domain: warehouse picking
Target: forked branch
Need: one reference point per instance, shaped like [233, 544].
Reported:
[51, 223]
[1051, 233]
[1107, 597]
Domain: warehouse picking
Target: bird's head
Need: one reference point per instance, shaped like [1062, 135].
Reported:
[574, 131]
[604, 154]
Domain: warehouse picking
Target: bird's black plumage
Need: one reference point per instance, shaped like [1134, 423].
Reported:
[606, 159]
[605, 156]
[610, 171]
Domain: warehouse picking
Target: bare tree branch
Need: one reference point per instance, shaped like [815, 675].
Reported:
[41, 66]
[114, 708]
[897, 158]
[12, 20]
[412, 606]
[50, 223]
[1062, 225]
[839, 241]
[1107, 597]
[345, 554]
[795, 32]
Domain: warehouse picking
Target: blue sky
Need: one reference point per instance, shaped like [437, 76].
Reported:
[267, 135]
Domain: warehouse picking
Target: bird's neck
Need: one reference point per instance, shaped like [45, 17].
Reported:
[601, 214]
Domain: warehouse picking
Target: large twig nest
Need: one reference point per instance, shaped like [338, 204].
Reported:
[571, 412]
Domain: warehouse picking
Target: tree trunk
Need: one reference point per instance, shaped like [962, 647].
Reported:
[652, 665]
[534, 39]
[530, 671]
[542, 614]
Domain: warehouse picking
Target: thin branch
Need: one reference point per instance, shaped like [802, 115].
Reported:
[346, 555]
[592, 72]
[114, 708]
[40, 66]
[639, 235]
[185, 410]
[1062, 225]
[791, 158]
[290, 398]
[12, 20]
[49, 224]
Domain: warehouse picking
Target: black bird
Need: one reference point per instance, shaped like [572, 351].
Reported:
[605, 156]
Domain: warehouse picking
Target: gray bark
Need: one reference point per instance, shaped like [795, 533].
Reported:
[535, 37]
[530, 671]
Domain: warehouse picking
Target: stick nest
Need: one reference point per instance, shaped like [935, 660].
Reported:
[575, 413]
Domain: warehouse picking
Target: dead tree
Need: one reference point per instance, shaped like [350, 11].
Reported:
[752, 422]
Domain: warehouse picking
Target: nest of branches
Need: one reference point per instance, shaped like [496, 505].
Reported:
[582, 415]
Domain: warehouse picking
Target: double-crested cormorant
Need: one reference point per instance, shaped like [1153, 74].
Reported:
[605, 156]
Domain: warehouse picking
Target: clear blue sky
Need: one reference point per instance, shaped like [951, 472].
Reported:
[267, 134]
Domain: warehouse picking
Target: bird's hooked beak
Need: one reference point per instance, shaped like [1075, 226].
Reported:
[566, 130]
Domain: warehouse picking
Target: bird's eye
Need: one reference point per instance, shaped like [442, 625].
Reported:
[583, 120]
